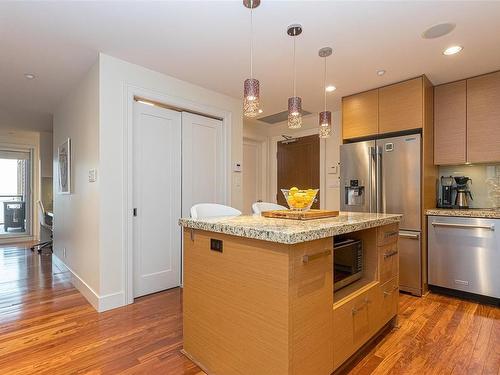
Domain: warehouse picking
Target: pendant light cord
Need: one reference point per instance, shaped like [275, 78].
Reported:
[324, 84]
[251, 42]
[294, 66]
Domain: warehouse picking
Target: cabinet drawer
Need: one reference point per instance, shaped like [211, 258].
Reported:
[354, 322]
[387, 234]
[388, 262]
[388, 300]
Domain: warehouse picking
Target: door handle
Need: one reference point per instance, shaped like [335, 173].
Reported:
[411, 236]
[463, 226]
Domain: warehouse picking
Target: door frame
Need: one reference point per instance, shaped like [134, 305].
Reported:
[33, 230]
[264, 157]
[130, 92]
[273, 164]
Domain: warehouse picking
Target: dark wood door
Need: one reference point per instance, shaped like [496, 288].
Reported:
[298, 165]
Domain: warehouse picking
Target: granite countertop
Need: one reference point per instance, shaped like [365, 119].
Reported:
[487, 213]
[290, 231]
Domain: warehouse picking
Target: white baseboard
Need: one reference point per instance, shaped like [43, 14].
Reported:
[100, 303]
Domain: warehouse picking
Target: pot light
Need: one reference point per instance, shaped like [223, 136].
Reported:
[380, 72]
[452, 50]
[260, 110]
[29, 76]
[438, 30]
[330, 88]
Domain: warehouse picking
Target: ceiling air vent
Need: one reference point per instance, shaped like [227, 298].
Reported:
[279, 117]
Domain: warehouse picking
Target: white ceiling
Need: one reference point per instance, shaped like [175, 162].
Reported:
[207, 43]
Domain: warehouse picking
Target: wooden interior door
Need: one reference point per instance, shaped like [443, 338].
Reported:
[298, 165]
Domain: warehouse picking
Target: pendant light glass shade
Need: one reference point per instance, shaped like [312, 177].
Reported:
[251, 86]
[325, 117]
[325, 124]
[294, 102]
[251, 99]
[294, 112]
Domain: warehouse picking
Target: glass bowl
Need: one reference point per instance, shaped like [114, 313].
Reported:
[300, 200]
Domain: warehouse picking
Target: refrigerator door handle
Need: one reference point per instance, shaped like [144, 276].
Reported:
[371, 176]
[378, 177]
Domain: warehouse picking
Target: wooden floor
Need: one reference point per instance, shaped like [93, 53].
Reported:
[47, 327]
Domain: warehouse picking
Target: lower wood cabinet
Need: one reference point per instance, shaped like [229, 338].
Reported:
[388, 262]
[388, 299]
[354, 322]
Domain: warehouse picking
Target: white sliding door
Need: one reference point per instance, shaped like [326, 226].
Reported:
[157, 198]
[202, 161]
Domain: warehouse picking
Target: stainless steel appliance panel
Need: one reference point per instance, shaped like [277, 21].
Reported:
[410, 261]
[357, 164]
[464, 254]
[400, 179]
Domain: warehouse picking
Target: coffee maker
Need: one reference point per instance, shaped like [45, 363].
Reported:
[446, 192]
[463, 192]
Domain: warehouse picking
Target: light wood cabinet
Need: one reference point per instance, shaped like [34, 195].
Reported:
[450, 114]
[483, 118]
[388, 262]
[360, 115]
[388, 298]
[401, 106]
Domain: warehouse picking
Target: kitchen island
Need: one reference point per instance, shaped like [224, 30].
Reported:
[259, 293]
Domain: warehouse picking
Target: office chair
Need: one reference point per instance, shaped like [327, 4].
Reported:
[42, 217]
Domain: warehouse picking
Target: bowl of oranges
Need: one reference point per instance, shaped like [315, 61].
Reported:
[300, 200]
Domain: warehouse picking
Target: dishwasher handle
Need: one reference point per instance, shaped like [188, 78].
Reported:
[463, 226]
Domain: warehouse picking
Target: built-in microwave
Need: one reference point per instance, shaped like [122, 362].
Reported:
[347, 262]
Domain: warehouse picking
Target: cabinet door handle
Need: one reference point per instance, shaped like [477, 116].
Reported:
[390, 234]
[355, 309]
[388, 293]
[390, 254]
[409, 235]
[307, 258]
[464, 226]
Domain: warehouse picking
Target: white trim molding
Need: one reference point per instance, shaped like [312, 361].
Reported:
[100, 303]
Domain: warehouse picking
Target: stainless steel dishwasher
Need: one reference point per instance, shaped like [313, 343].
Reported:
[464, 254]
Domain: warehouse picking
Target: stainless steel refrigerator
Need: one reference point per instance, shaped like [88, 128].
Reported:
[384, 176]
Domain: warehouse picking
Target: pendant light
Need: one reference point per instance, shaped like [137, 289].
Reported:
[251, 86]
[295, 102]
[325, 117]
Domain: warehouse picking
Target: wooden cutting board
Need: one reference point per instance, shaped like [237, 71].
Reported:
[300, 215]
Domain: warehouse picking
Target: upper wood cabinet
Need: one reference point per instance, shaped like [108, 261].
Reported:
[450, 113]
[483, 118]
[401, 106]
[360, 115]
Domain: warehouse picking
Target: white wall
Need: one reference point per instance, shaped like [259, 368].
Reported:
[46, 148]
[329, 154]
[117, 77]
[76, 216]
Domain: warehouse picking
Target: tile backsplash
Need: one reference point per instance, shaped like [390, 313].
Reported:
[485, 186]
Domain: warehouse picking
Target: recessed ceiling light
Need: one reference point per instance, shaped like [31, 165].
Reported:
[261, 110]
[380, 72]
[438, 30]
[29, 76]
[452, 50]
[330, 88]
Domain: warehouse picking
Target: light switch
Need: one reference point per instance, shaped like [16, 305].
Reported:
[237, 167]
[92, 175]
[333, 169]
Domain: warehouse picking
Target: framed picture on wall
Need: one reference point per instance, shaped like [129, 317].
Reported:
[64, 164]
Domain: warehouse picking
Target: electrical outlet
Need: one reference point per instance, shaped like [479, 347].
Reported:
[64, 252]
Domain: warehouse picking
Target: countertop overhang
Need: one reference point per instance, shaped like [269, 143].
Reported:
[290, 231]
[484, 213]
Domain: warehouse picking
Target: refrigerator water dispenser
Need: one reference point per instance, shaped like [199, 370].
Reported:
[354, 194]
